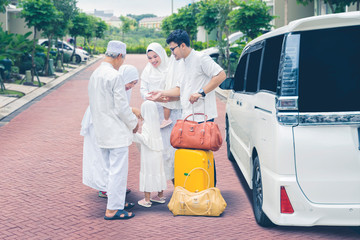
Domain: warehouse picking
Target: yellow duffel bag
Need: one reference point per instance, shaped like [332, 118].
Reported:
[208, 202]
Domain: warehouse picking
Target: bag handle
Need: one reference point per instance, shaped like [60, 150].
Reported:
[197, 213]
[202, 137]
[205, 116]
[198, 168]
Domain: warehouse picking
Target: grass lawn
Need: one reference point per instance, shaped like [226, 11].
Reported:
[11, 93]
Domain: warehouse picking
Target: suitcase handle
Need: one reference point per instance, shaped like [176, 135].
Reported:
[193, 114]
[198, 168]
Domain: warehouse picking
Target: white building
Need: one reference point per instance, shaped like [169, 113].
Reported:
[154, 22]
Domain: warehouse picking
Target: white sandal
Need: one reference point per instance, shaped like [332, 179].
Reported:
[144, 203]
[158, 199]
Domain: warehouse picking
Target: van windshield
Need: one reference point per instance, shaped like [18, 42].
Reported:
[329, 70]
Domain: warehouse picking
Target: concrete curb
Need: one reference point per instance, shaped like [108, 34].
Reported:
[20, 102]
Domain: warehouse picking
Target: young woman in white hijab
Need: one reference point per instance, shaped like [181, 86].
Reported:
[95, 171]
[163, 73]
[152, 176]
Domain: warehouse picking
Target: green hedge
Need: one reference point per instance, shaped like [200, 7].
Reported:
[136, 49]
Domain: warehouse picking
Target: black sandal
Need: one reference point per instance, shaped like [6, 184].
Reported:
[118, 214]
[128, 205]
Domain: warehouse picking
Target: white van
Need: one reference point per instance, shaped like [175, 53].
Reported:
[293, 122]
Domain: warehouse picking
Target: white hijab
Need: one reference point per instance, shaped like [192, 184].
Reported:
[151, 127]
[129, 73]
[156, 75]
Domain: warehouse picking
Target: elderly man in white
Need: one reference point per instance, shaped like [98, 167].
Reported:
[114, 122]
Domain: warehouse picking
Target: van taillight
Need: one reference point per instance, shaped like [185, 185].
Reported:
[287, 110]
[286, 206]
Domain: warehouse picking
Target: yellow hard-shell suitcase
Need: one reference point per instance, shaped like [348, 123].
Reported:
[187, 160]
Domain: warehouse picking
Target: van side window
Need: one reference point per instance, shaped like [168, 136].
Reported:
[253, 71]
[270, 63]
[240, 74]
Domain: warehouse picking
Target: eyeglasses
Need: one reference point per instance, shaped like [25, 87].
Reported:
[172, 49]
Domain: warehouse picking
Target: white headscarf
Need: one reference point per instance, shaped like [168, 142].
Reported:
[129, 73]
[151, 127]
[155, 76]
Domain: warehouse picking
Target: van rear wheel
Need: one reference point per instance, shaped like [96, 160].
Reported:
[257, 193]
[229, 154]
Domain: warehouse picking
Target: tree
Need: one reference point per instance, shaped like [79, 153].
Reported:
[49, 31]
[69, 9]
[38, 14]
[78, 27]
[100, 28]
[207, 15]
[185, 19]
[251, 18]
[336, 6]
[214, 14]
[90, 28]
[126, 24]
[3, 4]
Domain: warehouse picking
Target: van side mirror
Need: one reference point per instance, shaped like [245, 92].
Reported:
[227, 84]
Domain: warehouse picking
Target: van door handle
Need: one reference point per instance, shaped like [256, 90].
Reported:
[238, 102]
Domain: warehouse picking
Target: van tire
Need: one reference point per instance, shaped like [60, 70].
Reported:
[229, 154]
[257, 194]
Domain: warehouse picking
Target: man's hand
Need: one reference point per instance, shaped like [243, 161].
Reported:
[137, 113]
[194, 97]
[136, 128]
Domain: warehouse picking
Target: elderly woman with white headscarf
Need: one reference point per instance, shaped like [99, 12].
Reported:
[94, 171]
[162, 72]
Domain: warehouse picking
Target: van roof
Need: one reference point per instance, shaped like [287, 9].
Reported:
[316, 22]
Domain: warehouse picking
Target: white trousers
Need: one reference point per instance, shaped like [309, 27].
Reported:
[117, 161]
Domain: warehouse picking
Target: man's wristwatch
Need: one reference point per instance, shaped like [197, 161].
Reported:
[201, 91]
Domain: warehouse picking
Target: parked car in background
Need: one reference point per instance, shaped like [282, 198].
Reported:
[293, 122]
[213, 52]
[80, 55]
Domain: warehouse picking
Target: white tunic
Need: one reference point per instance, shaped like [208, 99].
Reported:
[95, 170]
[112, 116]
[152, 176]
[200, 69]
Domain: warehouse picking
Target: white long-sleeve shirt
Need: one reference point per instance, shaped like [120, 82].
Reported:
[112, 116]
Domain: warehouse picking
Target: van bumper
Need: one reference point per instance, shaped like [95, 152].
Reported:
[306, 213]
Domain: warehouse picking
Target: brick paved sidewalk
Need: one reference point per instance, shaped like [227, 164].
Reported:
[42, 195]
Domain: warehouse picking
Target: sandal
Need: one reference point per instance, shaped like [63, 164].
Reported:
[144, 203]
[158, 199]
[128, 205]
[118, 214]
